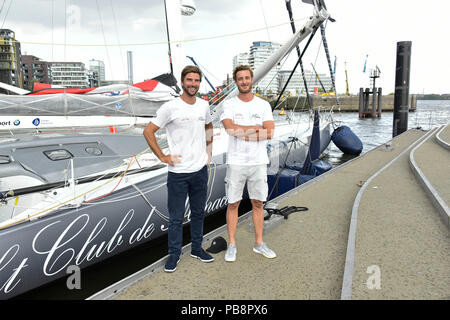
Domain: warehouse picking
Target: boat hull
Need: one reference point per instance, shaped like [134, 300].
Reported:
[36, 252]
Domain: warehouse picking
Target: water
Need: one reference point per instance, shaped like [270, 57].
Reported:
[372, 132]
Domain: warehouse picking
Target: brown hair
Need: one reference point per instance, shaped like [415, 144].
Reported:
[190, 69]
[242, 68]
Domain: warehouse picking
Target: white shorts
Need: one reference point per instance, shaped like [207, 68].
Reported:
[254, 176]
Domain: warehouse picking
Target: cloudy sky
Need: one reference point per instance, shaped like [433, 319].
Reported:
[77, 30]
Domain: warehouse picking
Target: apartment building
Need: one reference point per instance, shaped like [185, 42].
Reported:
[97, 67]
[10, 59]
[70, 74]
[260, 51]
[296, 85]
[35, 70]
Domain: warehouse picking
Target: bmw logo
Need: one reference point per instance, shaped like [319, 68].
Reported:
[17, 122]
[36, 122]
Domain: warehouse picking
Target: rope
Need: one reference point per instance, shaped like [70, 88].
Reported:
[285, 211]
[62, 203]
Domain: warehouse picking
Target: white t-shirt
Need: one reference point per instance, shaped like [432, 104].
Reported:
[185, 127]
[252, 113]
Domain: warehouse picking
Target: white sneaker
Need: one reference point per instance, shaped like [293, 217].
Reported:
[264, 250]
[230, 255]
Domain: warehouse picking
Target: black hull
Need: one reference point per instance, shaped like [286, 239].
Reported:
[43, 250]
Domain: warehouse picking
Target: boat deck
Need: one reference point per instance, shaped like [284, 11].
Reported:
[372, 231]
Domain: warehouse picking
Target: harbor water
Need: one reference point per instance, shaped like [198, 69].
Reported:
[372, 132]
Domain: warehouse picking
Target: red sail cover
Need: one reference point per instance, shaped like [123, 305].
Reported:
[116, 89]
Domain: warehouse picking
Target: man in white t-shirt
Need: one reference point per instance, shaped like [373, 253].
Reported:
[189, 135]
[249, 122]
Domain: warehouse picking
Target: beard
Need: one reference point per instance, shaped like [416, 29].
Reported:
[247, 90]
[188, 92]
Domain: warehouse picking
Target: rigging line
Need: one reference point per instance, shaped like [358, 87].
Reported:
[118, 40]
[148, 202]
[294, 140]
[271, 80]
[107, 194]
[218, 80]
[327, 53]
[65, 32]
[104, 39]
[286, 158]
[291, 19]
[304, 103]
[317, 56]
[265, 22]
[215, 104]
[160, 181]
[287, 96]
[131, 159]
[3, 4]
[151, 189]
[161, 42]
[53, 27]
[7, 11]
[296, 65]
[62, 203]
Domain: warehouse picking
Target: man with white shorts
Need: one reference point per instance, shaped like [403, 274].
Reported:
[249, 122]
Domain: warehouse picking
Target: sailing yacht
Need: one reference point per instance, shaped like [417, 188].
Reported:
[80, 197]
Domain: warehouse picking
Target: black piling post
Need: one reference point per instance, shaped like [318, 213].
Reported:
[366, 101]
[380, 101]
[401, 98]
[361, 102]
[374, 102]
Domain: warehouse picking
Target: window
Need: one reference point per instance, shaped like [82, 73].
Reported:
[94, 151]
[60, 154]
[4, 159]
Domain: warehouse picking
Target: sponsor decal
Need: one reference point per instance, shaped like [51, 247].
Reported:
[36, 122]
[5, 123]
[17, 122]
[118, 105]
[113, 93]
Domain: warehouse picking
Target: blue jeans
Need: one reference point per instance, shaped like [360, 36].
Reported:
[179, 186]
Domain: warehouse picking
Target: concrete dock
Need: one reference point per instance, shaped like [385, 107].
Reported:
[346, 103]
[372, 231]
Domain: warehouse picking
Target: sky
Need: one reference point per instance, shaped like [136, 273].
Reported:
[77, 30]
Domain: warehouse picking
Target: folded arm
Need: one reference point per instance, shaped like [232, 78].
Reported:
[239, 131]
[265, 133]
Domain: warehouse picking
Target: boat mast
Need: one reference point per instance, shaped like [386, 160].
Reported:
[309, 28]
[168, 38]
[321, 4]
[291, 18]
[177, 57]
